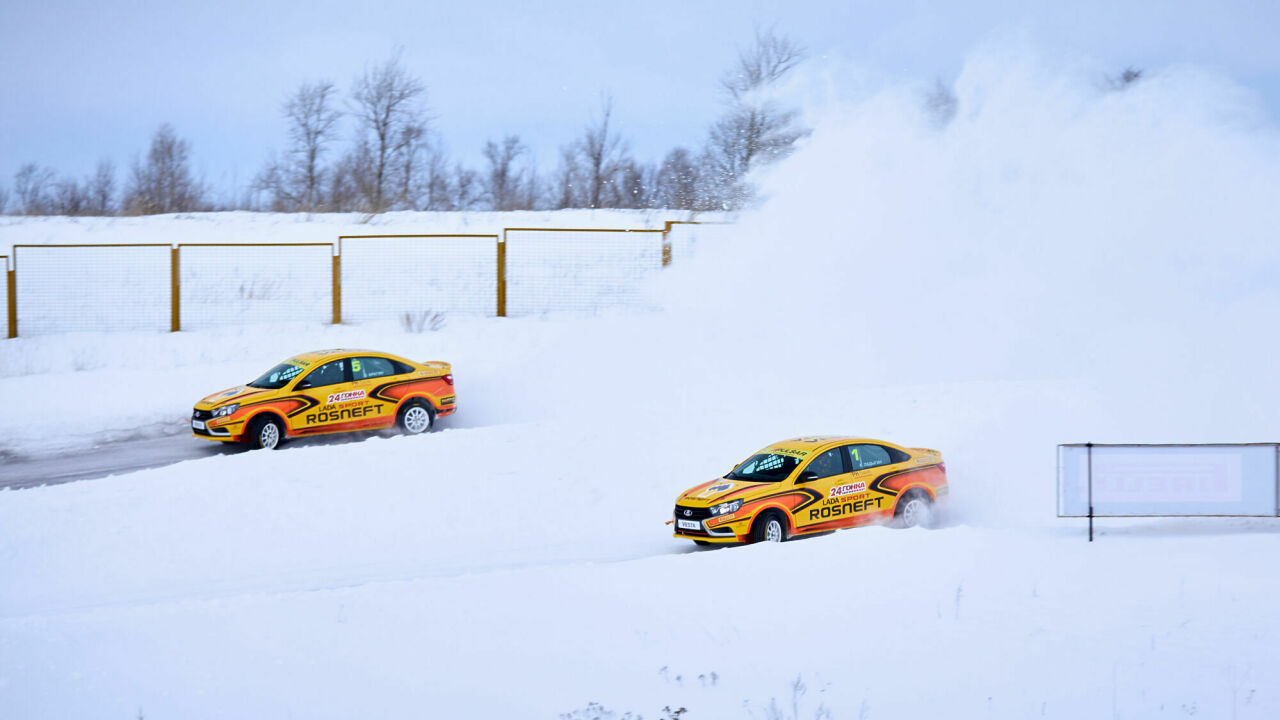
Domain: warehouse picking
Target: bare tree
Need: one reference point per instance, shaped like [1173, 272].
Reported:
[387, 104]
[603, 154]
[755, 129]
[437, 180]
[940, 104]
[4, 199]
[531, 193]
[1125, 79]
[32, 186]
[410, 155]
[634, 185]
[100, 188]
[567, 191]
[312, 121]
[69, 198]
[502, 181]
[766, 62]
[296, 182]
[163, 184]
[676, 183]
[466, 186]
[342, 195]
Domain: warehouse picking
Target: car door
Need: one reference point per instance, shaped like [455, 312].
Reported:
[324, 386]
[367, 374]
[868, 462]
[825, 474]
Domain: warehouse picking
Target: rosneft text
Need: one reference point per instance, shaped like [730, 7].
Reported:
[350, 413]
[848, 508]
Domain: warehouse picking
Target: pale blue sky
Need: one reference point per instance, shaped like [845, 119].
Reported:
[83, 80]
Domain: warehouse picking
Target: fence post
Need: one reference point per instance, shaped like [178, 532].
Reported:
[1090, 447]
[666, 243]
[337, 286]
[175, 291]
[502, 275]
[12, 274]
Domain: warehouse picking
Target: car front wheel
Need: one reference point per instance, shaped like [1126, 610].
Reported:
[769, 528]
[265, 433]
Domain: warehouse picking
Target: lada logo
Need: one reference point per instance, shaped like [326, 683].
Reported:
[687, 513]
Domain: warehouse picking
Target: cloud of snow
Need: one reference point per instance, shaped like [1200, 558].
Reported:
[1117, 244]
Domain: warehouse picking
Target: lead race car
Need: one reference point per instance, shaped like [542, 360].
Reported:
[328, 391]
[812, 485]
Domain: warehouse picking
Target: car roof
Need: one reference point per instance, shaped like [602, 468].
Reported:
[803, 446]
[316, 356]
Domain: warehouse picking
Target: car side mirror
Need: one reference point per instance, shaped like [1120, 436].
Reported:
[807, 475]
[302, 385]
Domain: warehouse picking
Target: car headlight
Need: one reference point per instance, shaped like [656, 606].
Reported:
[226, 410]
[726, 508]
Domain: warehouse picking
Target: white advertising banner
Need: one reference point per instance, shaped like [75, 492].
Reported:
[1167, 480]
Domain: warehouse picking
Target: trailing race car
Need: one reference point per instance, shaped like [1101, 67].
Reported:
[812, 485]
[328, 391]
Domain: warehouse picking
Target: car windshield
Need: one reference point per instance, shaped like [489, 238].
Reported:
[765, 467]
[277, 377]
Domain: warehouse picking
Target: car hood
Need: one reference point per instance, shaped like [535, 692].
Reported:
[718, 490]
[222, 397]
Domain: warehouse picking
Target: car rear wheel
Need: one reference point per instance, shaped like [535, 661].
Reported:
[769, 528]
[416, 418]
[915, 509]
[265, 433]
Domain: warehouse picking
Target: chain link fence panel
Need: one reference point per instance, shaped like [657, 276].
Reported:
[558, 270]
[89, 288]
[248, 283]
[404, 278]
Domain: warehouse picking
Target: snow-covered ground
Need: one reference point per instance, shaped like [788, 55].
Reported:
[1060, 264]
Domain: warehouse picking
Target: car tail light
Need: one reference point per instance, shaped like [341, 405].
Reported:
[448, 378]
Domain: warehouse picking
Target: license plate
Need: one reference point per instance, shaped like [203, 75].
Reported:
[197, 424]
[688, 524]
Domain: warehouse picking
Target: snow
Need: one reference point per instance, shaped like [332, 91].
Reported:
[1061, 264]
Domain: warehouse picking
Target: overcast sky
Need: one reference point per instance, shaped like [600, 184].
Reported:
[84, 80]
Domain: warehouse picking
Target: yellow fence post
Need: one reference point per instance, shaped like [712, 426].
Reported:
[12, 274]
[337, 286]
[666, 243]
[502, 275]
[175, 292]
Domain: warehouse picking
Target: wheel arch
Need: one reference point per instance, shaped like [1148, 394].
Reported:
[779, 509]
[269, 412]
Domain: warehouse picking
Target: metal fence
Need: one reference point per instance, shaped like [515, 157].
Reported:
[7, 303]
[556, 270]
[358, 279]
[386, 277]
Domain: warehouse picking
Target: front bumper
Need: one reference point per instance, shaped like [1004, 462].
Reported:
[204, 426]
[722, 529]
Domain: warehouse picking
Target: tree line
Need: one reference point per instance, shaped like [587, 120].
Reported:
[392, 159]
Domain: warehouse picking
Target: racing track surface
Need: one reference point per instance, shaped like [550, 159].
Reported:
[124, 456]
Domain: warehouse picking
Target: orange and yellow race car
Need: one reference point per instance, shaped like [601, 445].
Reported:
[811, 485]
[328, 391]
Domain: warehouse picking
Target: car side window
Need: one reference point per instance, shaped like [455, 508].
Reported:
[827, 464]
[330, 373]
[367, 368]
[868, 456]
